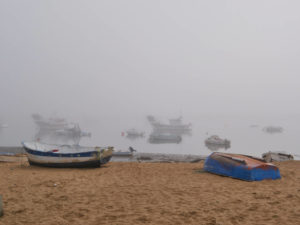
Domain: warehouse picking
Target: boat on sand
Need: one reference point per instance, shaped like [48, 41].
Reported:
[277, 156]
[241, 167]
[66, 155]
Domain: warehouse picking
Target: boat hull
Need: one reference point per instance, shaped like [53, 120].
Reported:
[64, 160]
[240, 167]
[84, 164]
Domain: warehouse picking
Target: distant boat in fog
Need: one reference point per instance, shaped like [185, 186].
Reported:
[57, 130]
[216, 140]
[134, 133]
[3, 126]
[72, 132]
[175, 126]
[216, 147]
[273, 129]
[161, 138]
[214, 143]
[51, 124]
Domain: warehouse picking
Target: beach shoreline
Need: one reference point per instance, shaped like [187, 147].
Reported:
[5, 152]
[145, 193]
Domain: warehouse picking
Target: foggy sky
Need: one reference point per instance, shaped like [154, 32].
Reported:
[95, 58]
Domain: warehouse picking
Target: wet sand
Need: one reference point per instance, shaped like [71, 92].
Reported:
[145, 193]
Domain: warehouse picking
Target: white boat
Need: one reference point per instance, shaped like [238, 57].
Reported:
[66, 155]
[133, 132]
[3, 126]
[175, 126]
[57, 130]
[273, 129]
[216, 140]
[128, 153]
[277, 156]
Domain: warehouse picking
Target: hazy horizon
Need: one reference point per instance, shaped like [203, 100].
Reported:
[87, 61]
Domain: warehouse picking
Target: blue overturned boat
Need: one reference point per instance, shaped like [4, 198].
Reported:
[50, 155]
[241, 167]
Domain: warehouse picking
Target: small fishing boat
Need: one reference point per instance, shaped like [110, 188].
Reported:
[134, 133]
[66, 155]
[216, 140]
[128, 153]
[175, 126]
[277, 156]
[273, 129]
[160, 138]
[241, 167]
[3, 126]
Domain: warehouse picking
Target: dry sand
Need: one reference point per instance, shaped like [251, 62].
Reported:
[145, 193]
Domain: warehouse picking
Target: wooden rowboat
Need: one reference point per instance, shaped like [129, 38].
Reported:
[66, 155]
[241, 167]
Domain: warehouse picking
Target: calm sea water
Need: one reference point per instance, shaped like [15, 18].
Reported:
[244, 139]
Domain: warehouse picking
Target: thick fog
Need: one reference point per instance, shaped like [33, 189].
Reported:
[90, 60]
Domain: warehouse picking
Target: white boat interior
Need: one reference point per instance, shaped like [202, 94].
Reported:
[59, 148]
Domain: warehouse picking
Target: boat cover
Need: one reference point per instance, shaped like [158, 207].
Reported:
[241, 167]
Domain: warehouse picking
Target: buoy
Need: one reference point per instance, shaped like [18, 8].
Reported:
[1, 206]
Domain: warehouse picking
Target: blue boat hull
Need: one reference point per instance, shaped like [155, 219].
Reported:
[228, 167]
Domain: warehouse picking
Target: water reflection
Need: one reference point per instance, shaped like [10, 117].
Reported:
[133, 137]
[217, 147]
[273, 129]
[56, 130]
[163, 138]
[133, 134]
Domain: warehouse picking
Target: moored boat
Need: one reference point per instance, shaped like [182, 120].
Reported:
[134, 133]
[66, 155]
[241, 167]
[216, 140]
[273, 129]
[160, 138]
[175, 126]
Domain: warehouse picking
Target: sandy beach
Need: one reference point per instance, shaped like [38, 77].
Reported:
[145, 193]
